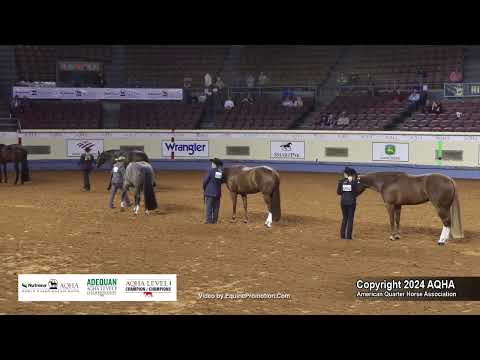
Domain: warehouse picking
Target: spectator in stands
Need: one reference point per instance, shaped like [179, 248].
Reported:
[248, 99]
[101, 80]
[343, 119]
[219, 83]
[14, 106]
[262, 79]
[298, 102]
[398, 96]
[288, 102]
[459, 115]
[414, 98]
[229, 104]
[427, 108]
[342, 79]
[250, 80]
[456, 76]
[187, 82]
[436, 108]
[208, 80]
[287, 93]
[330, 120]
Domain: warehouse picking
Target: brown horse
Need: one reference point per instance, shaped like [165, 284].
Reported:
[398, 188]
[245, 180]
[18, 155]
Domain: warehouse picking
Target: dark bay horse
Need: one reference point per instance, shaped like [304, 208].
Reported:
[109, 156]
[141, 176]
[18, 155]
[398, 188]
[245, 180]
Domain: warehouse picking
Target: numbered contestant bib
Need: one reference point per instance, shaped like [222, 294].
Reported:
[115, 169]
[218, 175]
[347, 187]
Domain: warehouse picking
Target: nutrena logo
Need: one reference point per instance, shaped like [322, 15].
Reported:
[390, 149]
[188, 148]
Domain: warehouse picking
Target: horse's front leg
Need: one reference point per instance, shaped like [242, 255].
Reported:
[391, 214]
[398, 210]
[244, 198]
[1, 173]
[5, 172]
[234, 204]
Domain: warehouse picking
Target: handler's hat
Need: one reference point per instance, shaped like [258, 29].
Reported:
[349, 171]
[120, 158]
[217, 161]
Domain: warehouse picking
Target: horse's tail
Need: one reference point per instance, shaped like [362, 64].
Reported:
[148, 192]
[456, 216]
[25, 170]
[276, 210]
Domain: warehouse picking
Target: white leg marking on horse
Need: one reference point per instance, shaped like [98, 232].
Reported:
[122, 204]
[444, 235]
[136, 209]
[268, 222]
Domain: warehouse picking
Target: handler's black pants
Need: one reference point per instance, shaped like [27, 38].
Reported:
[86, 179]
[213, 206]
[348, 212]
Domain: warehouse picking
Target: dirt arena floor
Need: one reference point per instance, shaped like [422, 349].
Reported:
[51, 226]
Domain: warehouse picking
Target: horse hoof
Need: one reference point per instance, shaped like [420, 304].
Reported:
[441, 244]
[245, 221]
[397, 237]
[392, 238]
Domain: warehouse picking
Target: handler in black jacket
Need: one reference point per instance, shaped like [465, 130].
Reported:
[347, 188]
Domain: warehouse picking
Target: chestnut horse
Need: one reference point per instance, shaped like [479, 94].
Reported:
[398, 188]
[245, 180]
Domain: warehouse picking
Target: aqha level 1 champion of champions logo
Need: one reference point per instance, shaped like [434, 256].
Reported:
[148, 287]
[102, 287]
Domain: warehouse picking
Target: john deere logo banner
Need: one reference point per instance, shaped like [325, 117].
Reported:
[390, 152]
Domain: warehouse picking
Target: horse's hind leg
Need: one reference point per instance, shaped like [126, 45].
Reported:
[5, 172]
[136, 208]
[398, 210]
[391, 214]
[268, 201]
[234, 196]
[244, 198]
[444, 213]
[17, 173]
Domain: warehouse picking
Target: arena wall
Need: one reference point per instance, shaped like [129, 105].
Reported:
[309, 151]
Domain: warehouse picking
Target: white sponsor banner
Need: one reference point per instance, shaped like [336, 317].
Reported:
[185, 148]
[287, 150]
[97, 93]
[97, 287]
[76, 147]
[390, 152]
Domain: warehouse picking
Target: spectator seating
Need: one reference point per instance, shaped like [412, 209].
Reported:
[39, 63]
[447, 120]
[366, 112]
[167, 65]
[292, 65]
[164, 115]
[61, 115]
[262, 114]
[402, 63]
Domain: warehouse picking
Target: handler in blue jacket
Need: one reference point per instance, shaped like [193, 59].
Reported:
[212, 191]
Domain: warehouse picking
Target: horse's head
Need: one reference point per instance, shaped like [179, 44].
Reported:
[101, 159]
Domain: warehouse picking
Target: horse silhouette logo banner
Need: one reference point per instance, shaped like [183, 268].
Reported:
[286, 147]
[148, 294]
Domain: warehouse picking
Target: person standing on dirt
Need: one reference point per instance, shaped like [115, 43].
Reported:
[212, 191]
[348, 190]
[116, 183]
[87, 162]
